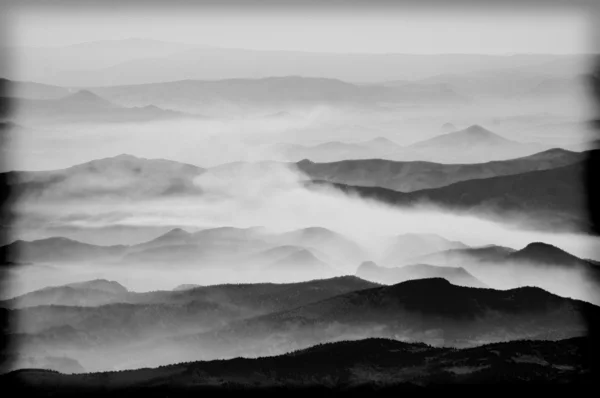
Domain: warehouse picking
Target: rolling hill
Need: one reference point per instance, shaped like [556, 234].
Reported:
[426, 310]
[299, 265]
[409, 245]
[474, 144]
[536, 264]
[392, 275]
[130, 176]
[76, 328]
[123, 176]
[553, 198]
[59, 249]
[82, 294]
[362, 366]
[337, 247]
[414, 176]
[31, 90]
[273, 94]
[207, 63]
[240, 249]
[84, 106]
[454, 257]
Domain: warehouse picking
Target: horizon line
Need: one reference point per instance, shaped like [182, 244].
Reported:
[195, 46]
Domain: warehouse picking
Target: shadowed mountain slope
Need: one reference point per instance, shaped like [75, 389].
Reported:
[414, 176]
[550, 198]
[346, 366]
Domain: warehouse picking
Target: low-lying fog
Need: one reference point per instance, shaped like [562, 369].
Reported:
[271, 196]
[254, 137]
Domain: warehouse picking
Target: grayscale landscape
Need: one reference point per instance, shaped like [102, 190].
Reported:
[187, 213]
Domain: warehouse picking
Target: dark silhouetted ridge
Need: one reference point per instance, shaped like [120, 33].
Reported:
[421, 285]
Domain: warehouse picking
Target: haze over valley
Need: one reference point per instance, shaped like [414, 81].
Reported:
[176, 202]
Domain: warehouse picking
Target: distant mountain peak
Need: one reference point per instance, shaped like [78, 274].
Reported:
[366, 266]
[302, 255]
[177, 232]
[305, 162]
[151, 107]
[301, 259]
[125, 156]
[381, 140]
[541, 246]
[100, 284]
[313, 232]
[545, 253]
[477, 129]
[87, 96]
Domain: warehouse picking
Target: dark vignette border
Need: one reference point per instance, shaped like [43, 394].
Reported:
[592, 164]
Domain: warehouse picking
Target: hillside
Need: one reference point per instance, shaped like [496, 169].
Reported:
[417, 175]
[366, 366]
[123, 176]
[392, 275]
[426, 310]
[120, 325]
[553, 198]
[410, 245]
[474, 144]
[85, 106]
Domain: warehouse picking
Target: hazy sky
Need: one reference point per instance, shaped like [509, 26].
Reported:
[377, 30]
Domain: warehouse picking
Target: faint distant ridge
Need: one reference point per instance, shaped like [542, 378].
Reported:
[131, 41]
[300, 263]
[39, 105]
[182, 61]
[448, 128]
[86, 96]
[475, 134]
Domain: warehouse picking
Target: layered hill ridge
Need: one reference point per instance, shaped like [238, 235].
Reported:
[543, 253]
[89, 293]
[427, 310]
[472, 145]
[85, 98]
[554, 198]
[408, 176]
[226, 321]
[299, 264]
[533, 361]
[129, 175]
[122, 176]
[472, 135]
[85, 106]
[455, 275]
[409, 245]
